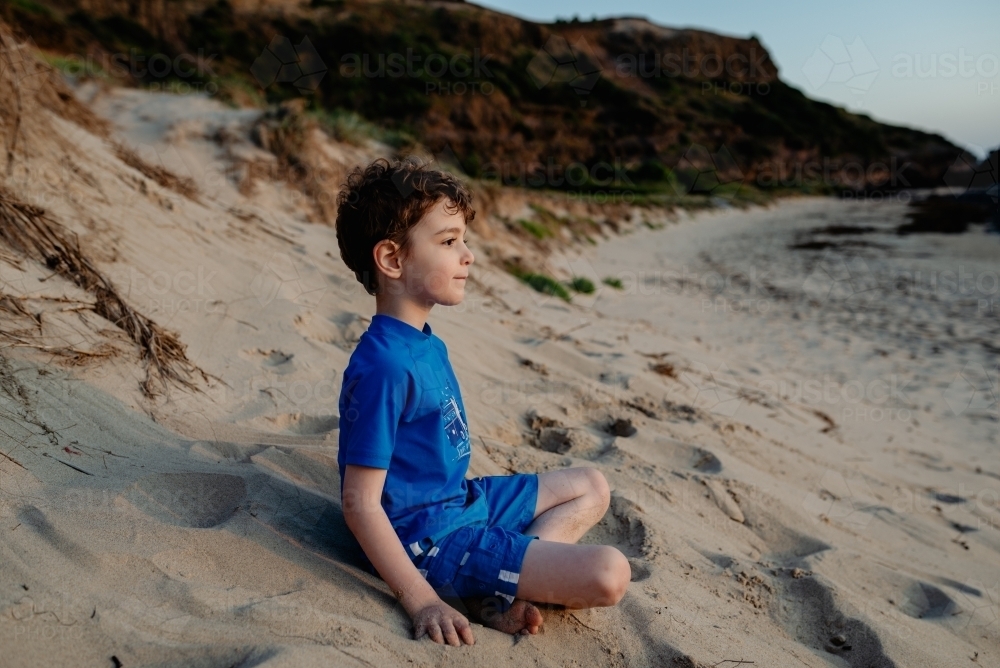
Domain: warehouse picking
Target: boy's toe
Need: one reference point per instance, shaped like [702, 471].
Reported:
[533, 618]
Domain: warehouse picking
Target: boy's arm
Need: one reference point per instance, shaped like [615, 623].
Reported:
[370, 525]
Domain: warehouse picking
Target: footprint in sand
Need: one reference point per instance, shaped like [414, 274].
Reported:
[705, 461]
[810, 613]
[623, 527]
[724, 500]
[198, 500]
[300, 423]
[925, 601]
[550, 435]
[684, 456]
[640, 571]
[765, 516]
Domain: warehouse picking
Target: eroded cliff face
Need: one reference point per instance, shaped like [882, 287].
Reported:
[518, 101]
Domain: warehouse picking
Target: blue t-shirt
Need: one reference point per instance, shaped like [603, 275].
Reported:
[401, 410]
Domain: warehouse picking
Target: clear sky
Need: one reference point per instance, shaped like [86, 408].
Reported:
[933, 66]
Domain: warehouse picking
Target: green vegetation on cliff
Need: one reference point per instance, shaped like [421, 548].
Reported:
[616, 105]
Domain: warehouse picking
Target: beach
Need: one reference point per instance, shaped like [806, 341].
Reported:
[798, 423]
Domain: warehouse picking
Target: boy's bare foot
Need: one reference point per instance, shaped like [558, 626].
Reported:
[521, 618]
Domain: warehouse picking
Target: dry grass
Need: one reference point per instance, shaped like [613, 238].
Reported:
[288, 132]
[30, 92]
[665, 369]
[179, 184]
[28, 230]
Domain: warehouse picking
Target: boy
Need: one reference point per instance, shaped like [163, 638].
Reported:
[496, 542]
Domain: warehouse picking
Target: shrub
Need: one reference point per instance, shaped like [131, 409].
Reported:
[350, 127]
[546, 285]
[582, 284]
[536, 230]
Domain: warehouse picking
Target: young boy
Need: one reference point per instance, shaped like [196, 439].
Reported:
[496, 542]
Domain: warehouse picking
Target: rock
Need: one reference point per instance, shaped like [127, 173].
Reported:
[554, 439]
[538, 422]
[621, 427]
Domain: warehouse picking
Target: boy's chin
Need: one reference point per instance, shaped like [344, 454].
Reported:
[451, 300]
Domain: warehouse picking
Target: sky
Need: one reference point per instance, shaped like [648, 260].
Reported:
[933, 66]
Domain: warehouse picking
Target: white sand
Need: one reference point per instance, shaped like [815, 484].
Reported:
[761, 520]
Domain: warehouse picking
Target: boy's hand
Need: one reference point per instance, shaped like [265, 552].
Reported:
[368, 522]
[442, 623]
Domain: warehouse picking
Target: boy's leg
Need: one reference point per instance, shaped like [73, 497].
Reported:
[570, 501]
[576, 576]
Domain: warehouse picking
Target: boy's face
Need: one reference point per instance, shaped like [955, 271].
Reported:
[437, 265]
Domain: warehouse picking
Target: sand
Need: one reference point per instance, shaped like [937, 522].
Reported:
[811, 480]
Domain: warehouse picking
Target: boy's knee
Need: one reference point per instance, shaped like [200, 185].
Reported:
[613, 576]
[599, 486]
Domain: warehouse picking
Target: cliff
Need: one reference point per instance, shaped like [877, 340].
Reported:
[628, 104]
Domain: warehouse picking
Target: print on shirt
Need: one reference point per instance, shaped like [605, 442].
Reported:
[455, 427]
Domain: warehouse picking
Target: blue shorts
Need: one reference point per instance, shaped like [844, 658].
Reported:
[483, 561]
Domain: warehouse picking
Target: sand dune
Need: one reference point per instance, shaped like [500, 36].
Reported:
[763, 525]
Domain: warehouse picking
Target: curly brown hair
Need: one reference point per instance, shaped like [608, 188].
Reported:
[383, 201]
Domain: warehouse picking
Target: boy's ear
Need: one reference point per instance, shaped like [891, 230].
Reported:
[387, 258]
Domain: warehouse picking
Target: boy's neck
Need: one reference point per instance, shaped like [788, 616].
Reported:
[397, 306]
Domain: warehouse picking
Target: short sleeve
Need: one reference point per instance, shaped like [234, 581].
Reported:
[372, 403]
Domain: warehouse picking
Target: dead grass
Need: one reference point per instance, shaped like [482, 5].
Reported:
[29, 230]
[664, 369]
[31, 91]
[181, 185]
[289, 133]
